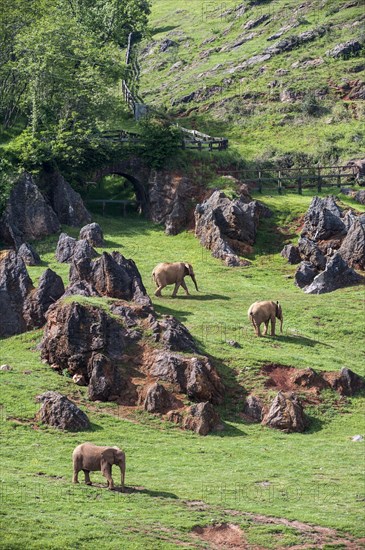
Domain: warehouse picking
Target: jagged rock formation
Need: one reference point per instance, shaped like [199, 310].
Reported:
[286, 413]
[65, 201]
[115, 354]
[27, 215]
[93, 234]
[59, 412]
[110, 275]
[15, 286]
[69, 249]
[28, 254]
[253, 408]
[332, 243]
[49, 290]
[228, 227]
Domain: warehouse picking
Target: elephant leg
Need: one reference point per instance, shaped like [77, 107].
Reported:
[87, 477]
[106, 470]
[266, 327]
[158, 291]
[177, 285]
[273, 326]
[183, 284]
[75, 478]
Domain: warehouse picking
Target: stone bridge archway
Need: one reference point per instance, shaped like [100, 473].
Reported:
[135, 171]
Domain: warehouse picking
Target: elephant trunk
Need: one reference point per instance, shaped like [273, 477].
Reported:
[194, 281]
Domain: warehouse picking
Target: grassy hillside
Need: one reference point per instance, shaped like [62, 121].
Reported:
[177, 480]
[289, 102]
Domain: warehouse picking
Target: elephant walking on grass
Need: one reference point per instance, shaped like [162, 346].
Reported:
[173, 273]
[91, 458]
[264, 312]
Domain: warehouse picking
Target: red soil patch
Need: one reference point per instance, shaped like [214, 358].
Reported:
[222, 535]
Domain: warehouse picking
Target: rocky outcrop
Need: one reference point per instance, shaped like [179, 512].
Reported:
[38, 301]
[114, 354]
[193, 376]
[175, 336]
[69, 249]
[110, 275]
[286, 413]
[228, 227]
[66, 202]
[202, 419]
[253, 408]
[289, 43]
[353, 246]
[337, 274]
[332, 242]
[15, 286]
[158, 399]
[59, 412]
[171, 200]
[27, 215]
[28, 254]
[346, 49]
[358, 168]
[346, 382]
[291, 253]
[93, 234]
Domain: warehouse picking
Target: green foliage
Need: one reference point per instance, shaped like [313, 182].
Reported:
[6, 183]
[310, 105]
[160, 140]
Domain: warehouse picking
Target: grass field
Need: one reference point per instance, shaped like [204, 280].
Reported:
[177, 480]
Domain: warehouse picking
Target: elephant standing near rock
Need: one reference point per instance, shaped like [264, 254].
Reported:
[173, 273]
[91, 458]
[264, 312]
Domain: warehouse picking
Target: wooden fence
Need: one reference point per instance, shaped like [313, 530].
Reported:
[311, 177]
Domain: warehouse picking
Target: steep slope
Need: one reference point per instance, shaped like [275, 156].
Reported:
[266, 74]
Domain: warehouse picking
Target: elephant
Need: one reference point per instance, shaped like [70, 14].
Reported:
[173, 273]
[263, 312]
[90, 458]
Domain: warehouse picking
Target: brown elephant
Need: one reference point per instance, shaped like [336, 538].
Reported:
[263, 312]
[91, 458]
[173, 273]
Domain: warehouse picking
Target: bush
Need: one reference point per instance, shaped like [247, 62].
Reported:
[310, 105]
[6, 183]
[160, 141]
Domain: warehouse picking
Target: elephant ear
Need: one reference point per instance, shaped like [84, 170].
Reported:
[108, 455]
[188, 269]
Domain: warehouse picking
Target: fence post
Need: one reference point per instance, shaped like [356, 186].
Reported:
[300, 191]
[279, 183]
[319, 180]
[339, 178]
[260, 183]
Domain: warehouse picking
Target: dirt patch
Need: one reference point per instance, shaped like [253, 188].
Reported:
[222, 535]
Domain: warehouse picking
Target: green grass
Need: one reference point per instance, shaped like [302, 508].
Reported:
[245, 107]
[315, 477]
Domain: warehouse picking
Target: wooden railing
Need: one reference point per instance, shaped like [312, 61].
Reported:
[293, 178]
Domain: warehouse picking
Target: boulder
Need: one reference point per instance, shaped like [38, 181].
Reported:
[194, 376]
[27, 215]
[158, 399]
[106, 382]
[74, 332]
[309, 379]
[346, 382]
[15, 285]
[65, 201]
[201, 418]
[310, 252]
[345, 49]
[353, 246]
[336, 275]
[286, 413]
[305, 274]
[228, 227]
[69, 249]
[111, 275]
[360, 196]
[291, 253]
[59, 412]
[323, 220]
[28, 254]
[93, 234]
[358, 167]
[37, 303]
[253, 408]
[175, 336]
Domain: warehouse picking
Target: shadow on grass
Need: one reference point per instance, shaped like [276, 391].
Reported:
[315, 425]
[144, 491]
[203, 297]
[301, 340]
[164, 310]
[228, 431]
[158, 30]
